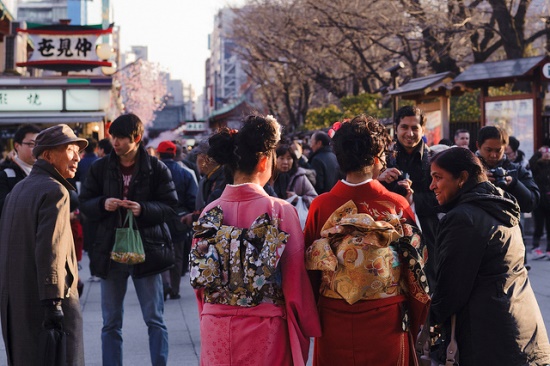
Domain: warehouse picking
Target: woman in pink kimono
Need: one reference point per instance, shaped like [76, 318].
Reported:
[247, 263]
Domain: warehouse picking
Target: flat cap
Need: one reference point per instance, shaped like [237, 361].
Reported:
[56, 136]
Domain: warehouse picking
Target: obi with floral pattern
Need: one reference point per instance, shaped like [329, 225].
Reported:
[366, 259]
[237, 266]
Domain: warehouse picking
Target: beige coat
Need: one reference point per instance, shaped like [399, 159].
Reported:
[37, 262]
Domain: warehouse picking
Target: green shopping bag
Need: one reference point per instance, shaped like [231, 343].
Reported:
[128, 246]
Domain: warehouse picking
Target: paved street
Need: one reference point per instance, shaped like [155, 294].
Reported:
[183, 325]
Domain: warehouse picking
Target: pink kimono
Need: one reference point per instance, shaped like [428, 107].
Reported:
[276, 331]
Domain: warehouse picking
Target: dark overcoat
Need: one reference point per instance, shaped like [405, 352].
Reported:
[482, 279]
[38, 262]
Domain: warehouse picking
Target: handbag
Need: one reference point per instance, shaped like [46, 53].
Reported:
[423, 343]
[52, 347]
[128, 246]
[301, 208]
[452, 348]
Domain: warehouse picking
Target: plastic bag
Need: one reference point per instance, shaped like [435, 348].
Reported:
[128, 246]
[301, 208]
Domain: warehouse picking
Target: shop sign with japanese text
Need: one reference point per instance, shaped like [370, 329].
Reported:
[73, 49]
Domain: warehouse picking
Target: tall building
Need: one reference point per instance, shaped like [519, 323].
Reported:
[135, 53]
[224, 71]
[81, 12]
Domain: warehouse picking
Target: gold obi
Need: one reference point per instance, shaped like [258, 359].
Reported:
[355, 256]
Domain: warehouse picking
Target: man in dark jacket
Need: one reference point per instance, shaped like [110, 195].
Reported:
[130, 179]
[324, 162]
[14, 171]
[410, 161]
[512, 177]
[38, 264]
[186, 188]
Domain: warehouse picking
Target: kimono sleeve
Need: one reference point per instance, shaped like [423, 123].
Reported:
[302, 317]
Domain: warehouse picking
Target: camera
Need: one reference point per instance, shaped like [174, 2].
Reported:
[403, 176]
[499, 173]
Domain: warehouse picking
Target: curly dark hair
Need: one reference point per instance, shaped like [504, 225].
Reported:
[241, 151]
[357, 142]
[410, 111]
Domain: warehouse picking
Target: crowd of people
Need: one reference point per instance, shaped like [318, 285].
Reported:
[361, 241]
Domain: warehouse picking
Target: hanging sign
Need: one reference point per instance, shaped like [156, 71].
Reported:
[64, 48]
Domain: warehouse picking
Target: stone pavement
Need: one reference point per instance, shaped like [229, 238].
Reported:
[181, 317]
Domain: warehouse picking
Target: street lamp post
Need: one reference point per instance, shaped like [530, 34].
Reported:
[393, 74]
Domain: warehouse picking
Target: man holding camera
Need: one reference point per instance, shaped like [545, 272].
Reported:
[511, 177]
[408, 173]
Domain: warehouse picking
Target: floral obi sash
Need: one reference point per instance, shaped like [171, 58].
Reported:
[237, 266]
[361, 258]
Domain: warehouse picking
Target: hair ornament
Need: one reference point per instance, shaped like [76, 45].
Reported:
[270, 118]
[336, 126]
[233, 132]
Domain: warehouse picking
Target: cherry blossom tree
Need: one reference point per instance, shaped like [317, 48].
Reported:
[140, 88]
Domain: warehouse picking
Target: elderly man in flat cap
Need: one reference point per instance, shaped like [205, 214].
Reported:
[38, 266]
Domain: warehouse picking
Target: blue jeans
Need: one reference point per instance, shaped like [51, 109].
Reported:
[150, 294]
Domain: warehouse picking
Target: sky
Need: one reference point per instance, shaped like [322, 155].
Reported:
[175, 31]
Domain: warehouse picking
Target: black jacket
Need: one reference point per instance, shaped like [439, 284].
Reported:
[10, 175]
[151, 186]
[541, 175]
[522, 187]
[326, 167]
[482, 279]
[417, 166]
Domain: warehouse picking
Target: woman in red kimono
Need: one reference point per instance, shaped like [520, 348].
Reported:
[247, 263]
[371, 300]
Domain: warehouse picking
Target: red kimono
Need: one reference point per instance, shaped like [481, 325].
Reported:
[368, 331]
[265, 333]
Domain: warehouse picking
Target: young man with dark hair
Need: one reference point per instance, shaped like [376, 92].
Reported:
[511, 177]
[410, 163]
[130, 179]
[15, 170]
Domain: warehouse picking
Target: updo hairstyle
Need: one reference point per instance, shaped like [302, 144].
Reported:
[241, 150]
[357, 142]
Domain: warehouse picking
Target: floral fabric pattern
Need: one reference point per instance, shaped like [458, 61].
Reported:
[237, 266]
[363, 259]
